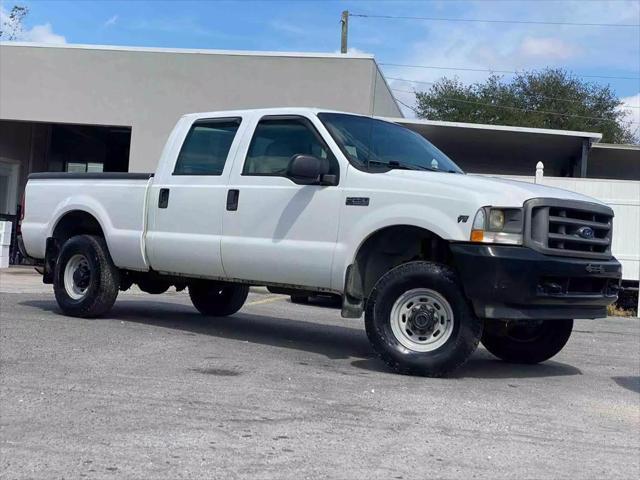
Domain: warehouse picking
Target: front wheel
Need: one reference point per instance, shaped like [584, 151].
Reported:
[419, 322]
[531, 341]
[218, 299]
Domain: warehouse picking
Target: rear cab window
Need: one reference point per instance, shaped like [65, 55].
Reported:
[206, 147]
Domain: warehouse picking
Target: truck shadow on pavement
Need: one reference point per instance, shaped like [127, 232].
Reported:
[630, 383]
[332, 341]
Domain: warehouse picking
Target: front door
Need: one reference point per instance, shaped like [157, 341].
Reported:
[186, 202]
[281, 231]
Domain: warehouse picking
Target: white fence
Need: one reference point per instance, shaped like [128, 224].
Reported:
[623, 196]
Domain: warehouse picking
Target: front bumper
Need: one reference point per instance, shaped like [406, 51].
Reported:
[513, 282]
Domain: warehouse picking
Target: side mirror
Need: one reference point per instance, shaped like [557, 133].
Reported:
[310, 170]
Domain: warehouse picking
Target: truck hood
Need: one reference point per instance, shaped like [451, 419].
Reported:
[490, 190]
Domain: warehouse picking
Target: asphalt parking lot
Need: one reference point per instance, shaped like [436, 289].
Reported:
[279, 390]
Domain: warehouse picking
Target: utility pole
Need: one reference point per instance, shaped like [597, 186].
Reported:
[345, 31]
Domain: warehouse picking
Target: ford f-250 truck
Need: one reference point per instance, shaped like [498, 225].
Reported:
[304, 200]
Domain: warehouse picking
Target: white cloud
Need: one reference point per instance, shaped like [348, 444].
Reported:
[38, 33]
[111, 21]
[632, 115]
[42, 34]
[547, 47]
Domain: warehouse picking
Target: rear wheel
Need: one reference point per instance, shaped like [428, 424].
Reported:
[419, 321]
[86, 282]
[531, 341]
[218, 299]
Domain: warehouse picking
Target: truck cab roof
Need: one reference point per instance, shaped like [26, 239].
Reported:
[267, 111]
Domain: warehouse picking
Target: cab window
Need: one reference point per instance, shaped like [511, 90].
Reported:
[276, 140]
[206, 147]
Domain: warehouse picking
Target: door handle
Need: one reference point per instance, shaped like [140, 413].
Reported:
[232, 200]
[163, 198]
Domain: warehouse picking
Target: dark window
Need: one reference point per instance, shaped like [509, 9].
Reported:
[205, 150]
[277, 140]
[83, 148]
[375, 145]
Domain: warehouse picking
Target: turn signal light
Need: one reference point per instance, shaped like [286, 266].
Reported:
[477, 235]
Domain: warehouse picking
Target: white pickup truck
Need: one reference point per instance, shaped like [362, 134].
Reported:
[304, 200]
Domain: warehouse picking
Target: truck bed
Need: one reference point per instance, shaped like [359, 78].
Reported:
[117, 200]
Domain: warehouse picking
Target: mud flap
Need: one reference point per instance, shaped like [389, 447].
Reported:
[52, 251]
[352, 301]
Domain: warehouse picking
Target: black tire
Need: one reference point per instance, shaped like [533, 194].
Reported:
[218, 299]
[102, 284]
[527, 342]
[300, 299]
[466, 328]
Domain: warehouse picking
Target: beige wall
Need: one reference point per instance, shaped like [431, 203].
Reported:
[150, 89]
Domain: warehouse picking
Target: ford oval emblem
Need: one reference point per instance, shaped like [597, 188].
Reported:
[585, 232]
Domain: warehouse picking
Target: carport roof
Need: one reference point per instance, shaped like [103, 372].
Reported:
[422, 124]
[502, 149]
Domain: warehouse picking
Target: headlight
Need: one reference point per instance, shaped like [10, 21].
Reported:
[496, 220]
[498, 225]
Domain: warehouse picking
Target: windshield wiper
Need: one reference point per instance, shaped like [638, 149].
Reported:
[409, 166]
[395, 165]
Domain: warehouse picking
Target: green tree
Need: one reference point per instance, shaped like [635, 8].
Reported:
[550, 98]
[11, 24]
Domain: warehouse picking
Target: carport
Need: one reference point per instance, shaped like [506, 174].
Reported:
[506, 150]
[614, 161]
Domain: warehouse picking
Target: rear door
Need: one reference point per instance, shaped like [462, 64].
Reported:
[187, 201]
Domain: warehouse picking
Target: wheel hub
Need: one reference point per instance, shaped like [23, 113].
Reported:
[422, 320]
[77, 276]
[81, 276]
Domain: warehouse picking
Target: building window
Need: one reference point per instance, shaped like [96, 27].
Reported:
[206, 147]
[90, 167]
[80, 148]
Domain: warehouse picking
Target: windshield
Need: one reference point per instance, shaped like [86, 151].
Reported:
[375, 145]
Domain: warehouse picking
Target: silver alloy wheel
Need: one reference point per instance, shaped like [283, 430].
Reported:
[422, 320]
[77, 275]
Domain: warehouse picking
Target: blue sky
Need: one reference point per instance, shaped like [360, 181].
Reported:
[314, 26]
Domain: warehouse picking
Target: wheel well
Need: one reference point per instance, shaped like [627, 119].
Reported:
[74, 223]
[387, 248]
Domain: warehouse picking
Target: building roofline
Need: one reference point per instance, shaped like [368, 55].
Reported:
[596, 137]
[201, 51]
[388, 87]
[618, 146]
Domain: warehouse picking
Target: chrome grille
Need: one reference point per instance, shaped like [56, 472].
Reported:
[568, 228]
